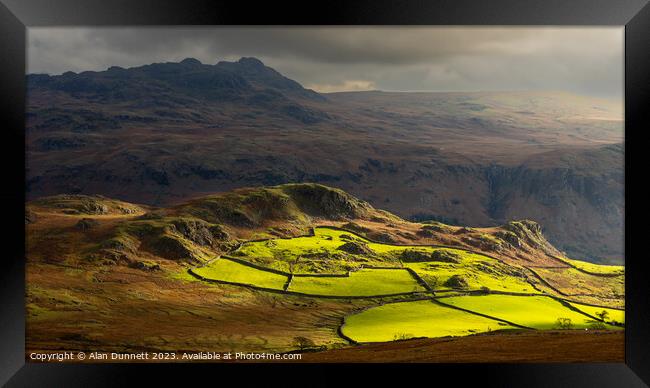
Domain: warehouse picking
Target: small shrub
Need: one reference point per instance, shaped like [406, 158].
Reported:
[456, 282]
[597, 326]
[402, 336]
[564, 323]
[603, 315]
[303, 343]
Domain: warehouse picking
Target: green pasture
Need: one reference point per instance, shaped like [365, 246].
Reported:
[596, 268]
[612, 314]
[538, 312]
[477, 270]
[320, 253]
[365, 282]
[231, 271]
[325, 241]
[415, 319]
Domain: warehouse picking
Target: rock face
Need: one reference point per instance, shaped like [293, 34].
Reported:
[509, 237]
[518, 233]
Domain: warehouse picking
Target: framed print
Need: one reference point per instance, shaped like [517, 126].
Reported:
[353, 189]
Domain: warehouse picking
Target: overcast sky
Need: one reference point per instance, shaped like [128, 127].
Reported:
[580, 60]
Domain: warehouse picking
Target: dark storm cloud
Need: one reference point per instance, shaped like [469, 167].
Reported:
[581, 60]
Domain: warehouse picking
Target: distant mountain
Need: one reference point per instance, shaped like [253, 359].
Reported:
[160, 133]
[184, 85]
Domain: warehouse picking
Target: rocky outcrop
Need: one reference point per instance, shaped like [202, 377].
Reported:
[483, 242]
[86, 223]
[519, 234]
[445, 256]
[323, 201]
[75, 204]
[172, 248]
[356, 248]
[197, 231]
[509, 237]
[382, 237]
[145, 266]
[413, 256]
[431, 229]
[456, 282]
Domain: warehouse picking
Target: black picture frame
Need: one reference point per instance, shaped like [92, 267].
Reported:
[17, 15]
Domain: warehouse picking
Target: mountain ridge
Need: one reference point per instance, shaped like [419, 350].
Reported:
[172, 131]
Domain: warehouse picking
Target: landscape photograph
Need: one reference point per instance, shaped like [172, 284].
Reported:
[325, 194]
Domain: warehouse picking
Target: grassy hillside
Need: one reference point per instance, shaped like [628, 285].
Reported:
[254, 269]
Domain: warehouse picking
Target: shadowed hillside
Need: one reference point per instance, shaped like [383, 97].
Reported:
[162, 133]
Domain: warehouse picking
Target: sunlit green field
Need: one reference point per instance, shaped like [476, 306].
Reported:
[612, 314]
[537, 312]
[325, 241]
[231, 271]
[597, 268]
[307, 256]
[479, 271]
[365, 282]
[415, 319]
